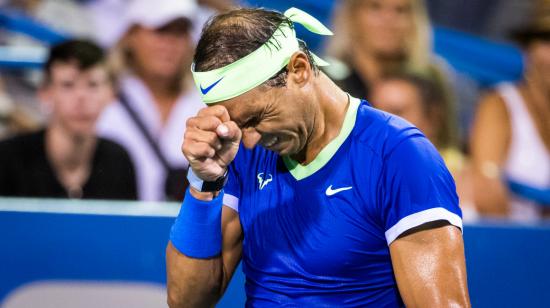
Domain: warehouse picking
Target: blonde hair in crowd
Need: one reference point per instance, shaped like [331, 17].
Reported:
[418, 57]
[418, 47]
[120, 62]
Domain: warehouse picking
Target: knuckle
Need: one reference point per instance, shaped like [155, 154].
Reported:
[186, 144]
[215, 119]
[213, 122]
[203, 110]
[185, 149]
[191, 122]
[189, 134]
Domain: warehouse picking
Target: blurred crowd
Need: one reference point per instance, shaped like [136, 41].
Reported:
[105, 115]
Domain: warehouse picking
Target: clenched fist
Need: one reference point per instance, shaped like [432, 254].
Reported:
[211, 142]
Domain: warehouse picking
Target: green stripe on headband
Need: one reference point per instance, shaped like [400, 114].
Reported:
[254, 69]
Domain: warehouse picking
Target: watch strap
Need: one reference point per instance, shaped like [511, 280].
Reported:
[206, 186]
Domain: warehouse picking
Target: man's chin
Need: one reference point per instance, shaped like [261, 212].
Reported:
[82, 134]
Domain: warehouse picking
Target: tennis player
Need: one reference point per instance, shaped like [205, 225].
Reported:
[327, 201]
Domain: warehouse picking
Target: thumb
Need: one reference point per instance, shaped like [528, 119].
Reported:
[229, 131]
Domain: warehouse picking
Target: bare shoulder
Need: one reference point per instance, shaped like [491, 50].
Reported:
[492, 105]
[492, 130]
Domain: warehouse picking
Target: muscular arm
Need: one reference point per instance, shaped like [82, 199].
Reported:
[429, 266]
[210, 144]
[201, 282]
[489, 143]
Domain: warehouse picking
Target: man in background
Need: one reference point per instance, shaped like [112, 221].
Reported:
[67, 159]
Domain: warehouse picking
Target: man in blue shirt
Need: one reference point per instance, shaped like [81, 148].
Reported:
[340, 205]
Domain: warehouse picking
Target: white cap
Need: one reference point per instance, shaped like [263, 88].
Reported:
[157, 13]
[113, 18]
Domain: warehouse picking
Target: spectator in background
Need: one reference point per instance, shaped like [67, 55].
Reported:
[380, 37]
[67, 159]
[421, 102]
[511, 136]
[35, 22]
[108, 24]
[153, 59]
[374, 38]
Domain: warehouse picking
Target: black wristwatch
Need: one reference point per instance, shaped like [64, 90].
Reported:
[205, 186]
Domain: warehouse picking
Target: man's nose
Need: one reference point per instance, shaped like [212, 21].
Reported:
[251, 137]
[81, 96]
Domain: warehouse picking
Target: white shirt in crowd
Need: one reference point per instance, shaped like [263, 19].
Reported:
[117, 125]
[528, 159]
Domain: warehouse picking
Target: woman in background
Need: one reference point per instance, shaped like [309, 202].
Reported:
[375, 38]
[419, 101]
[511, 135]
[153, 57]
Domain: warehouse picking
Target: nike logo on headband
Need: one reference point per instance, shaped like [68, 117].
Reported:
[207, 89]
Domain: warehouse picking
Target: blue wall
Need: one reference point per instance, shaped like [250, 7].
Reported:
[508, 265]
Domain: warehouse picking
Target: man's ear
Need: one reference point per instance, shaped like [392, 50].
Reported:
[299, 70]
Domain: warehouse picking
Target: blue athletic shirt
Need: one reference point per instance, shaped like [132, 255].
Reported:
[318, 235]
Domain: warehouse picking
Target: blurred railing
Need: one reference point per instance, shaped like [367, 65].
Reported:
[105, 252]
[18, 21]
[26, 57]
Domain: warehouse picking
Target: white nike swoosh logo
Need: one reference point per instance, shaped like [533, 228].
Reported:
[331, 191]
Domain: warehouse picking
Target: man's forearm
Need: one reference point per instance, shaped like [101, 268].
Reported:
[193, 282]
[196, 279]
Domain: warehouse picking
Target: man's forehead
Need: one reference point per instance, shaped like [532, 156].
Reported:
[73, 66]
[243, 106]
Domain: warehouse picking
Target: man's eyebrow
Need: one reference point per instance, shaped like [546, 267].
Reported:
[237, 117]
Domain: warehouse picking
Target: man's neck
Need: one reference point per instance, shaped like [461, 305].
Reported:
[68, 152]
[329, 114]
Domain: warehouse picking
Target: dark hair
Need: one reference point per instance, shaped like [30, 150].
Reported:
[431, 95]
[233, 35]
[435, 104]
[84, 53]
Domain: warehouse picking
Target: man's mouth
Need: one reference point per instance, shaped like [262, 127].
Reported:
[270, 142]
